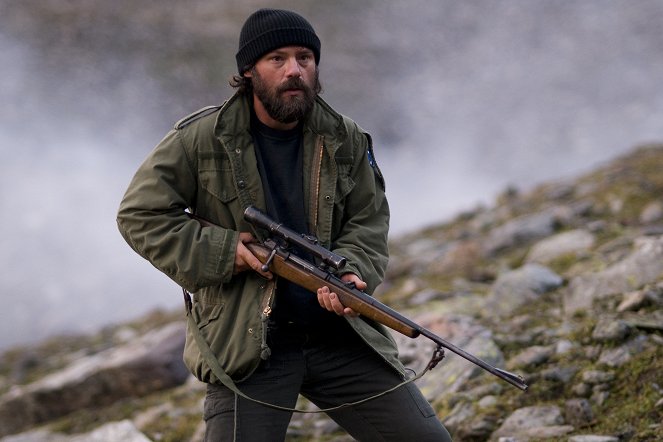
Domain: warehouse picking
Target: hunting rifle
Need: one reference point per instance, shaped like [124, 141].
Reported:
[276, 257]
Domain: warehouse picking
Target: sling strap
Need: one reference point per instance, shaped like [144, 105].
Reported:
[227, 381]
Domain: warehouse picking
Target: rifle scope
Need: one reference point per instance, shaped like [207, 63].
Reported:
[304, 242]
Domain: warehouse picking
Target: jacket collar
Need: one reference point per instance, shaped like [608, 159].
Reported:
[235, 120]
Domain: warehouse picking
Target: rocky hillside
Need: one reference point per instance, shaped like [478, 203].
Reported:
[562, 284]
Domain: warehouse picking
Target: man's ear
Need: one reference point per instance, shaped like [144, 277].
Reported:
[247, 73]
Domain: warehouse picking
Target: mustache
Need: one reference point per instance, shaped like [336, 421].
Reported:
[292, 83]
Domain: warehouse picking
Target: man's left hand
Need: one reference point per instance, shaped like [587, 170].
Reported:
[329, 300]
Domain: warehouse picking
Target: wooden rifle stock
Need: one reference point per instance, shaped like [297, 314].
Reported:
[312, 277]
[304, 274]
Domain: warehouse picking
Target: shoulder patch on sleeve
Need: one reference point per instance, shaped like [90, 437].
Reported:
[200, 113]
[373, 163]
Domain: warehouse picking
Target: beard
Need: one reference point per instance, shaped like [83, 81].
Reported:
[286, 109]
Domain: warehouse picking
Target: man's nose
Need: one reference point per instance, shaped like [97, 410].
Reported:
[293, 68]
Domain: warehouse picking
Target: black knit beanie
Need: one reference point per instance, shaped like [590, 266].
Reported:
[269, 29]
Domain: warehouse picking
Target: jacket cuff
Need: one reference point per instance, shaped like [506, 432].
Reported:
[223, 264]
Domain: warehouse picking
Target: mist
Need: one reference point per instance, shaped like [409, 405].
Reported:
[512, 93]
[64, 169]
[462, 98]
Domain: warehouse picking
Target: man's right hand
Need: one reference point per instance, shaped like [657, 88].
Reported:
[245, 260]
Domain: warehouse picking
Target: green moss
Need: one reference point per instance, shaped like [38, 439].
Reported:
[516, 258]
[640, 379]
[88, 419]
[563, 263]
[170, 424]
[173, 427]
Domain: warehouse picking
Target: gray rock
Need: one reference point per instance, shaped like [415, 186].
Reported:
[122, 431]
[633, 301]
[643, 266]
[487, 402]
[547, 432]
[475, 394]
[578, 412]
[532, 357]
[476, 428]
[425, 296]
[609, 329]
[523, 229]
[526, 419]
[460, 258]
[651, 321]
[592, 352]
[459, 414]
[574, 241]
[594, 377]
[616, 357]
[454, 371]
[652, 212]
[564, 346]
[517, 287]
[421, 253]
[559, 374]
[582, 389]
[599, 397]
[36, 436]
[148, 364]
[592, 438]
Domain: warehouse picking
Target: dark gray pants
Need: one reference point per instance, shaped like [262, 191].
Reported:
[327, 370]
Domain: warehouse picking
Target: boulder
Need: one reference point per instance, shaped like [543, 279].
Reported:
[454, 371]
[644, 265]
[524, 229]
[573, 241]
[533, 421]
[122, 431]
[152, 362]
[517, 287]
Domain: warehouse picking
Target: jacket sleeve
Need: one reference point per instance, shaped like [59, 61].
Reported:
[152, 219]
[364, 225]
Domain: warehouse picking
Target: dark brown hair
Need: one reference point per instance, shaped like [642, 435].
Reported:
[242, 84]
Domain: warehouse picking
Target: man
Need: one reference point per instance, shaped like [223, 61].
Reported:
[256, 340]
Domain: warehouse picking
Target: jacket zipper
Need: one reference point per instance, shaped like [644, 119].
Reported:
[315, 183]
[265, 351]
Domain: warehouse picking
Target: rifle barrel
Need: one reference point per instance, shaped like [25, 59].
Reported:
[512, 378]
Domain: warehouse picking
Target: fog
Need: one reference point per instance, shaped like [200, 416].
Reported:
[463, 99]
[64, 266]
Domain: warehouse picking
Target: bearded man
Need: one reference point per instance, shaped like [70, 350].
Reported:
[257, 340]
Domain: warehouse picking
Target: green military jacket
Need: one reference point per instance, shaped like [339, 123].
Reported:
[207, 165]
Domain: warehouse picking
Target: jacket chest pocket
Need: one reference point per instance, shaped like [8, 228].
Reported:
[344, 182]
[216, 178]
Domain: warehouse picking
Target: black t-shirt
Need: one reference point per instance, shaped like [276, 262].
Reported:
[279, 156]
